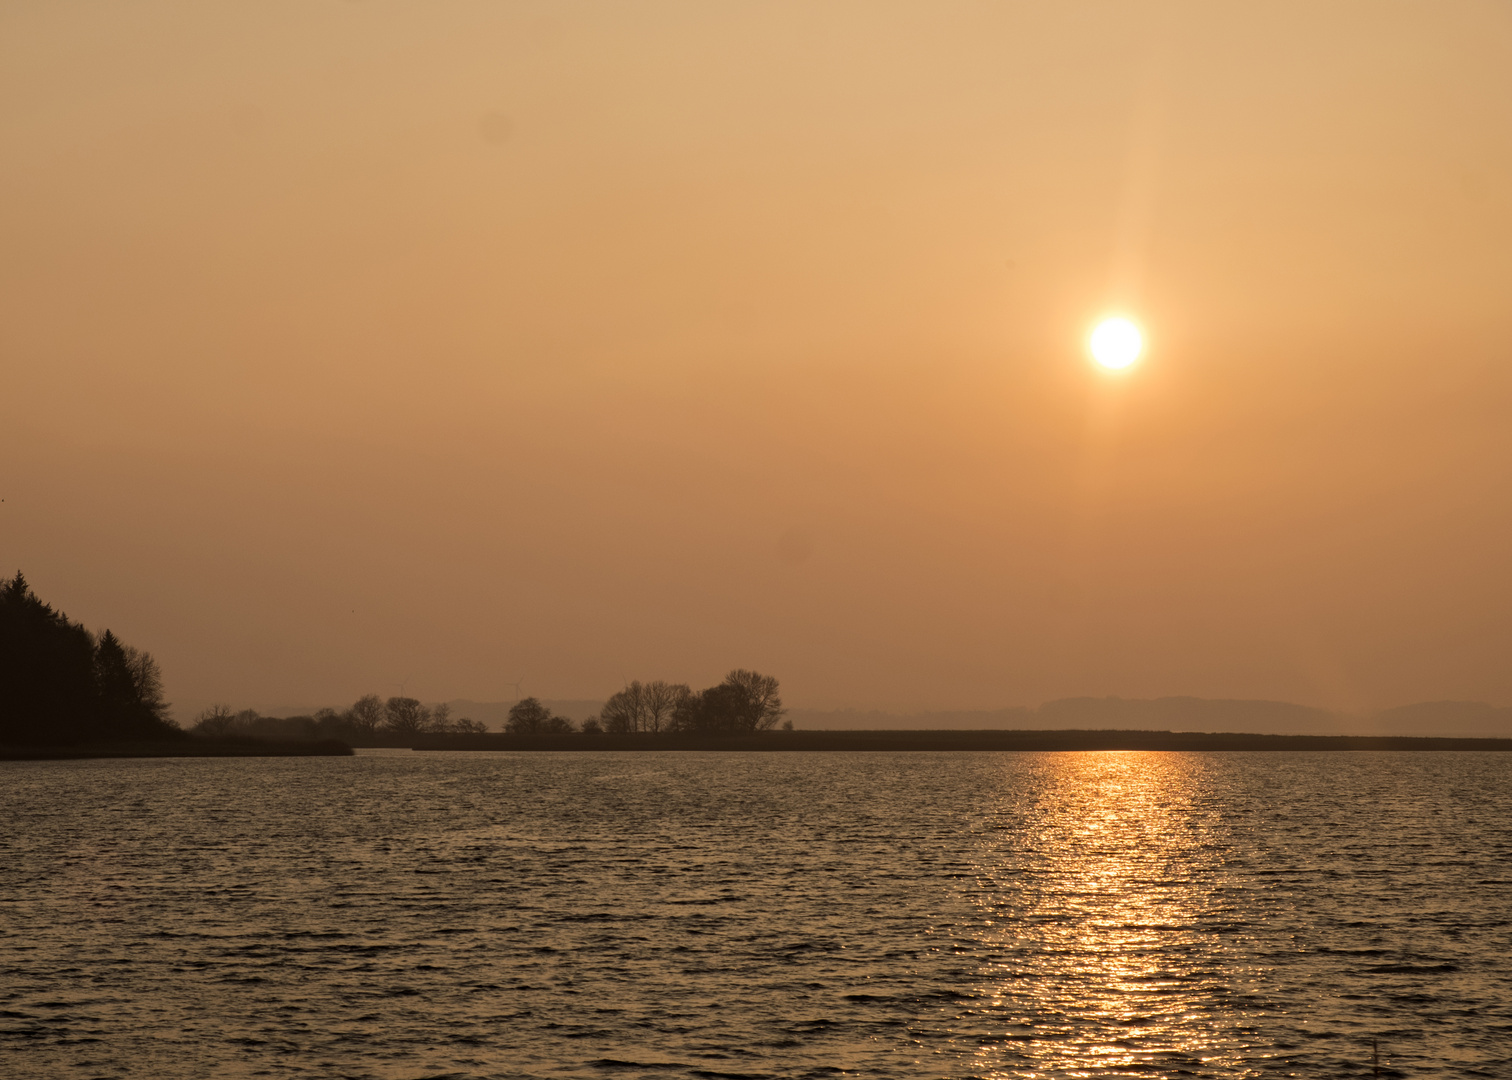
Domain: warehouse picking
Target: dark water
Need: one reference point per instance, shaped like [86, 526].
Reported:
[707, 915]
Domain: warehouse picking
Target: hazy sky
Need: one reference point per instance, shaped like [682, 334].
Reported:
[361, 346]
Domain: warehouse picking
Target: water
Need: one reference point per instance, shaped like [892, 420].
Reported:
[758, 915]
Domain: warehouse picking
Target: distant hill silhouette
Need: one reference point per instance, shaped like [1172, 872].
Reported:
[1456, 719]
[1468, 719]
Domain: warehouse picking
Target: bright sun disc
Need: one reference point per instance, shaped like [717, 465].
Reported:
[1116, 344]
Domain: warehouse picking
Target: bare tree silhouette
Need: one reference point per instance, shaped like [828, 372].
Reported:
[530, 717]
[644, 707]
[405, 716]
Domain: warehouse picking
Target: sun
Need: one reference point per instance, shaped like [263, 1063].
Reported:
[1115, 343]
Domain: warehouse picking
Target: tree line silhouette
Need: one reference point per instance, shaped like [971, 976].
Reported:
[746, 701]
[369, 718]
[60, 684]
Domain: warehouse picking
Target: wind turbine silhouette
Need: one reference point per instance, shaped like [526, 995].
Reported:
[516, 685]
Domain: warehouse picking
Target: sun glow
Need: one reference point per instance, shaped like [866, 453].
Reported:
[1115, 343]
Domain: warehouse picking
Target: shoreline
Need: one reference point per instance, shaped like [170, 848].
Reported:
[938, 740]
[180, 748]
[889, 740]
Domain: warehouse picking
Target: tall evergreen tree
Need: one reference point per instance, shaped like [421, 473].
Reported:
[46, 669]
[130, 690]
[58, 685]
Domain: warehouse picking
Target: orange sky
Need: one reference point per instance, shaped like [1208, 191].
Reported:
[368, 346]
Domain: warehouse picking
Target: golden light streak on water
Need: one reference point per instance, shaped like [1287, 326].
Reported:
[1103, 914]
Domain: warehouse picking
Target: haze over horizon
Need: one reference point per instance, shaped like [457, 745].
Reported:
[359, 347]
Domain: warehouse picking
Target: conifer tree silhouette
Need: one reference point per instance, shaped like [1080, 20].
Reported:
[58, 685]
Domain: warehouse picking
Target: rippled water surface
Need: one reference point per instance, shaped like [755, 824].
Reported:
[755, 915]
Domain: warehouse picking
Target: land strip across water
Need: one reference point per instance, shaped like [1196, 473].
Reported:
[190, 747]
[953, 740]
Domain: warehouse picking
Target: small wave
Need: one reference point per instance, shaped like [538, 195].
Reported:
[1412, 969]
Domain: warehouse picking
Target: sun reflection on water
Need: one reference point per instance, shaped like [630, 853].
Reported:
[1103, 920]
